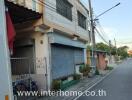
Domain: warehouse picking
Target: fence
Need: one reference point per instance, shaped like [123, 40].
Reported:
[24, 74]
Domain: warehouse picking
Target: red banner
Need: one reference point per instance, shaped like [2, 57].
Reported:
[10, 31]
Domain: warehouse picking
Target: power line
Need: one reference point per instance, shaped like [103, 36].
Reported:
[98, 32]
[102, 30]
[101, 36]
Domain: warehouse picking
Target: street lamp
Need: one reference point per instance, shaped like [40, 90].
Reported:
[107, 11]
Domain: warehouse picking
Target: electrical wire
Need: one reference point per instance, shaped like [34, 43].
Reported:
[102, 30]
[97, 31]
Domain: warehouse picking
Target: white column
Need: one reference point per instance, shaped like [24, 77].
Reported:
[85, 56]
[5, 68]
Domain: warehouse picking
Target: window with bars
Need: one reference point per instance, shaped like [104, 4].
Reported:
[64, 8]
[81, 20]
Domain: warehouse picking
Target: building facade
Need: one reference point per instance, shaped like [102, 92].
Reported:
[68, 36]
[56, 39]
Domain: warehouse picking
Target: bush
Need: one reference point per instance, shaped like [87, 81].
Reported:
[85, 69]
[81, 69]
[97, 72]
[56, 84]
[85, 73]
[109, 68]
[76, 77]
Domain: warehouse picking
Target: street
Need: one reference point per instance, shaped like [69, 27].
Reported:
[117, 85]
[65, 50]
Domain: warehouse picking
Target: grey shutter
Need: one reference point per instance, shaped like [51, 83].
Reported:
[62, 61]
[79, 56]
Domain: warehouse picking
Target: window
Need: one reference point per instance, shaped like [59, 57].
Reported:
[64, 8]
[81, 20]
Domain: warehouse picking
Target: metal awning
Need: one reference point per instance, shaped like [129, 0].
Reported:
[21, 14]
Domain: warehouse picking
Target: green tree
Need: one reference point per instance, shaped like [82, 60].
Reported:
[103, 47]
[122, 51]
[113, 50]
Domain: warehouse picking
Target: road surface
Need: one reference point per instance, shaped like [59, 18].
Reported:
[117, 86]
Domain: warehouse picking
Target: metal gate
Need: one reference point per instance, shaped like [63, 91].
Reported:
[24, 72]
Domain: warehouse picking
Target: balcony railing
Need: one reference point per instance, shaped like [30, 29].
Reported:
[35, 5]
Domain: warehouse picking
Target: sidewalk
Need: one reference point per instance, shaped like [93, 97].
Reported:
[81, 86]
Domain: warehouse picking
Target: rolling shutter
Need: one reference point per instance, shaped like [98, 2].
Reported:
[64, 59]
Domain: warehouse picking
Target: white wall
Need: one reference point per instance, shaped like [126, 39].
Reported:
[43, 57]
[5, 68]
[55, 19]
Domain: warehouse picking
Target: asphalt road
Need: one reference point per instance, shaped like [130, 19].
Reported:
[117, 86]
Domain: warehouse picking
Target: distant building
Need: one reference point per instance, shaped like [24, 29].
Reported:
[130, 52]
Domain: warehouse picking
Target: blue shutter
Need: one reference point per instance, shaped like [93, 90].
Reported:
[62, 61]
[79, 56]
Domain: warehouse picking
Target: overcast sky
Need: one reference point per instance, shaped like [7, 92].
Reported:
[117, 23]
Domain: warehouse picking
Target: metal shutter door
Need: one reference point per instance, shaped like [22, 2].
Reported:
[79, 56]
[62, 61]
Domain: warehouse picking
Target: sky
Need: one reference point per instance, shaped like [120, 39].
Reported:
[116, 23]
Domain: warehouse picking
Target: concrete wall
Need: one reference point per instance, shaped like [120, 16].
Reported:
[101, 63]
[57, 21]
[43, 50]
[5, 68]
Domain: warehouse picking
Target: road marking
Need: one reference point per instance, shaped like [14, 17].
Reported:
[96, 83]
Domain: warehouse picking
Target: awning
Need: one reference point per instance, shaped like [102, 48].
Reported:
[21, 14]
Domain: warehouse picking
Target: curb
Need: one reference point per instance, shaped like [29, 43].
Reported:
[96, 83]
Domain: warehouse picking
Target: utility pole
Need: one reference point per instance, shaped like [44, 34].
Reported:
[115, 41]
[110, 50]
[117, 58]
[92, 26]
[115, 46]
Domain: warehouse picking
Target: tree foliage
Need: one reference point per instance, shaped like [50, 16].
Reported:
[121, 51]
[103, 47]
